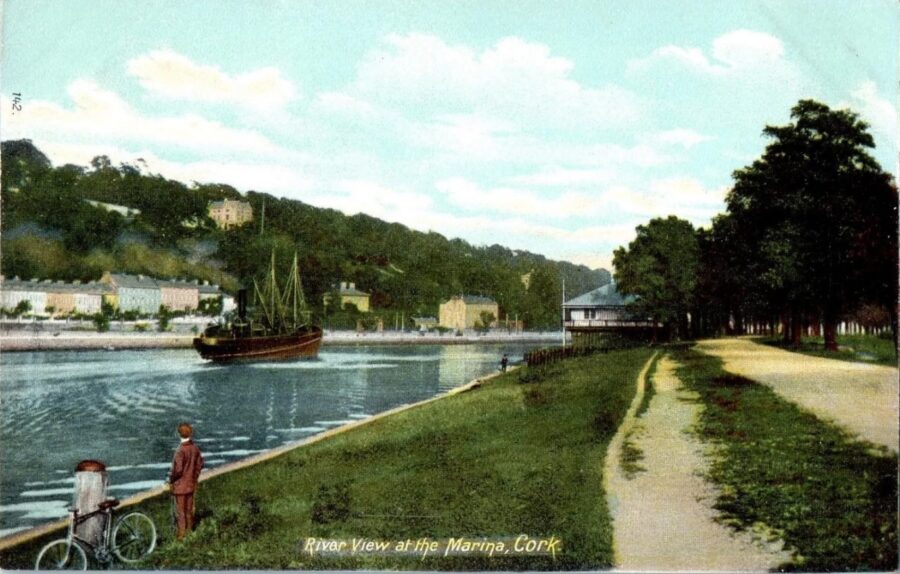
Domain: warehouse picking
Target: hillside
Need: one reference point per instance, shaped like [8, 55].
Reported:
[49, 231]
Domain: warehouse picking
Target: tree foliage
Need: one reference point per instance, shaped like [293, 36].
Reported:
[660, 267]
[49, 231]
[816, 217]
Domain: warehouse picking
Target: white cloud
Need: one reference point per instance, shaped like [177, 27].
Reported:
[877, 110]
[352, 196]
[98, 115]
[514, 79]
[733, 54]
[470, 196]
[267, 177]
[561, 177]
[747, 48]
[172, 75]
[684, 138]
[682, 196]
[341, 103]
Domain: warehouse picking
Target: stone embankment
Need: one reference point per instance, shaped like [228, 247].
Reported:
[49, 338]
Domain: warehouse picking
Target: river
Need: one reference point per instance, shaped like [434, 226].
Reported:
[122, 407]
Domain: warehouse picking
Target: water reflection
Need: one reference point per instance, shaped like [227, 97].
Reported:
[122, 407]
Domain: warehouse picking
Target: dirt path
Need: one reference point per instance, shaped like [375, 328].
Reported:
[663, 517]
[859, 397]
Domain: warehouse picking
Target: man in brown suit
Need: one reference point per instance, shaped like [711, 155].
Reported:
[186, 468]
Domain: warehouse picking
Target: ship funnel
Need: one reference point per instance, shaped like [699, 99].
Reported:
[242, 304]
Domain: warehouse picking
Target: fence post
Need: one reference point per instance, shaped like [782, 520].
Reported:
[91, 482]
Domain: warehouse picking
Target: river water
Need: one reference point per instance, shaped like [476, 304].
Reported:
[122, 407]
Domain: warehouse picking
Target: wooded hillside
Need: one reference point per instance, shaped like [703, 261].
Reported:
[49, 231]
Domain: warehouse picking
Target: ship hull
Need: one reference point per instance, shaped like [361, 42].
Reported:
[303, 344]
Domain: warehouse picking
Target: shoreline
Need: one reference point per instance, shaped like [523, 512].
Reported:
[22, 536]
[25, 341]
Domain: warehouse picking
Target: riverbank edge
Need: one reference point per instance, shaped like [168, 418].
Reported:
[30, 534]
[29, 342]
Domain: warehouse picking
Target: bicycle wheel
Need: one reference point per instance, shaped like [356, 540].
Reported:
[61, 555]
[134, 537]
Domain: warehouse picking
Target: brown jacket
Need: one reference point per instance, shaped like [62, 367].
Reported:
[186, 468]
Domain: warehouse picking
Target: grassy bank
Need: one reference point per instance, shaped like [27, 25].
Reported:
[505, 459]
[832, 499]
[856, 348]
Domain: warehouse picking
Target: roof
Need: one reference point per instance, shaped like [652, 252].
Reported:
[177, 284]
[474, 300]
[206, 288]
[224, 202]
[352, 291]
[606, 296]
[133, 281]
[48, 286]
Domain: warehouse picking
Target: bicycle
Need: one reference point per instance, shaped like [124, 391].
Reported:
[132, 539]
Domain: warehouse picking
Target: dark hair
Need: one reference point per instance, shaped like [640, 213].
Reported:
[185, 430]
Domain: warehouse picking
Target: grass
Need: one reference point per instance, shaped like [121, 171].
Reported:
[505, 459]
[631, 455]
[876, 349]
[831, 498]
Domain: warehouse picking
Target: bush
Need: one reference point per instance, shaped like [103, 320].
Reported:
[101, 322]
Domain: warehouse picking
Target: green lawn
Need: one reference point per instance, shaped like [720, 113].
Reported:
[857, 348]
[831, 498]
[505, 459]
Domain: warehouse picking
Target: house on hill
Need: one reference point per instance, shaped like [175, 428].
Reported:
[463, 311]
[603, 309]
[425, 323]
[179, 295]
[54, 297]
[134, 292]
[348, 293]
[14, 291]
[230, 213]
[123, 210]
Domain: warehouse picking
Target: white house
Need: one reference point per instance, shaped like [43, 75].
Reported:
[603, 309]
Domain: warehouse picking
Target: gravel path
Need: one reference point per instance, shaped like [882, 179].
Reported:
[663, 517]
[859, 397]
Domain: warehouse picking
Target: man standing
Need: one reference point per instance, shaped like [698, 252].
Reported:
[186, 468]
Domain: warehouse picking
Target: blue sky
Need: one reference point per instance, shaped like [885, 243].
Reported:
[555, 127]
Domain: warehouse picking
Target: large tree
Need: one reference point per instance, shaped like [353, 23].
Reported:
[816, 210]
[660, 267]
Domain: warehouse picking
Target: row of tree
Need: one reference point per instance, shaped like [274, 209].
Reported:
[50, 231]
[809, 236]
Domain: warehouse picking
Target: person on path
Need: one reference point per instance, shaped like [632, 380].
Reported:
[186, 467]
[504, 362]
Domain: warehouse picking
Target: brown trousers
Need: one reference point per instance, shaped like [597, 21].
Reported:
[184, 514]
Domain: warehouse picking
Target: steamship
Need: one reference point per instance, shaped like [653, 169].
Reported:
[279, 329]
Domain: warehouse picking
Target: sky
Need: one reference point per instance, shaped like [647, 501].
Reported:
[554, 127]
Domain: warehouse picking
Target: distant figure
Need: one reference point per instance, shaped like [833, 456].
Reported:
[186, 468]
[504, 362]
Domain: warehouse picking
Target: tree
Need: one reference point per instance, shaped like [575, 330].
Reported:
[811, 209]
[484, 322]
[163, 317]
[660, 268]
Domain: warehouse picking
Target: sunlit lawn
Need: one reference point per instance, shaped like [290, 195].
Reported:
[505, 459]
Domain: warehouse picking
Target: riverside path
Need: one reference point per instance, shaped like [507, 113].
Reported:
[860, 398]
[663, 517]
